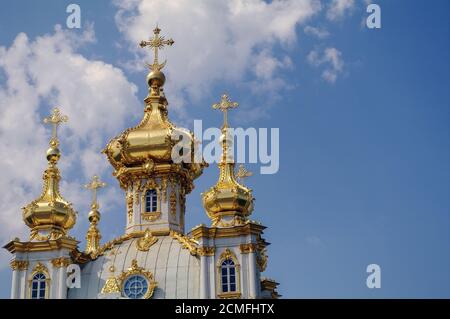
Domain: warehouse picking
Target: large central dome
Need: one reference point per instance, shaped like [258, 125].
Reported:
[149, 146]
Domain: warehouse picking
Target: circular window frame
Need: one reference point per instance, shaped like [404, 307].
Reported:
[140, 271]
[128, 278]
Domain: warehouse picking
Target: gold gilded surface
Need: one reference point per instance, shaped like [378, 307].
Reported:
[19, 265]
[93, 235]
[112, 285]
[227, 197]
[50, 216]
[60, 262]
[145, 150]
[144, 243]
[186, 242]
[156, 43]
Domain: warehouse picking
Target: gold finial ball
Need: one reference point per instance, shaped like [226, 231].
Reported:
[53, 154]
[94, 216]
[156, 78]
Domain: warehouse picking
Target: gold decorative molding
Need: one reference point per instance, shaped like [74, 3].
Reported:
[186, 242]
[248, 228]
[136, 270]
[130, 206]
[164, 189]
[60, 262]
[173, 203]
[111, 285]
[24, 247]
[229, 295]
[261, 259]
[144, 243]
[248, 248]
[151, 217]
[19, 265]
[227, 254]
[206, 251]
[40, 267]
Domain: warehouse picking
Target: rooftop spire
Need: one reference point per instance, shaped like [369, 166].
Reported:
[50, 216]
[93, 235]
[227, 203]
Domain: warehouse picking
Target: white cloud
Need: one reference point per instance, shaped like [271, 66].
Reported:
[216, 40]
[317, 32]
[339, 8]
[332, 59]
[39, 74]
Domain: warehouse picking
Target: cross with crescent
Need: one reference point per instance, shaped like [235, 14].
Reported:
[224, 105]
[157, 43]
[94, 185]
[55, 119]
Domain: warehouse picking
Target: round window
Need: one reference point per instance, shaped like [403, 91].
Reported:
[135, 287]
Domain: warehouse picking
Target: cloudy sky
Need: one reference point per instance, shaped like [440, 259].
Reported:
[363, 116]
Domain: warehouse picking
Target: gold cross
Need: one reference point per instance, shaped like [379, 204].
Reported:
[243, 173]
[157, 42]
[224, 105]
[94, 185]
[55, 119]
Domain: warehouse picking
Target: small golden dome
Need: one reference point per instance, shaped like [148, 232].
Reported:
[50, 216]
[228, 200]
[228, 197]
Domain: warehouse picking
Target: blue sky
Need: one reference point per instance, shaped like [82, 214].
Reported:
[364, 159]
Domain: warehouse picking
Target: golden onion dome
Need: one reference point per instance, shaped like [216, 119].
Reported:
[228, 196]
[153, 146]
[153, 138]
[228, 201]
[50, 216]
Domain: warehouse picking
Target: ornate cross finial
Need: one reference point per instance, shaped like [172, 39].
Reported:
[224, 105]
[157, 42]
[55, 119]
[94, 185]
[242, 173]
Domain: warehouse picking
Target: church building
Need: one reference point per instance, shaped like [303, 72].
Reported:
[155, 257]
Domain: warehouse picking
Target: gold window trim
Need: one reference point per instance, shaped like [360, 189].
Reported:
[151, 216]
[40, 268]
[226, 255]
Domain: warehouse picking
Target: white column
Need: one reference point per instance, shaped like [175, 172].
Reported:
[15, 284]
[62, 288]
[204, 291]
[23, 287]
[252, 275]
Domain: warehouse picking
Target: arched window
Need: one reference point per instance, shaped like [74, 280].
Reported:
[151, 201]
[228, 273]
[38, 286]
